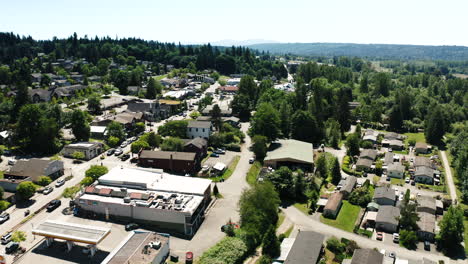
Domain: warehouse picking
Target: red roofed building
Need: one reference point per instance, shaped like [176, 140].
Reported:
[135, 196]
[229, 89]
[89, 189]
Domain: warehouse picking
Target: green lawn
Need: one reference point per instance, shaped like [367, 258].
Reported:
[346, 217]
[228, 172]
[281, 217]
[396, 181]
[253, 172]
[419, 137]
[302, 207]
[403, 152]
[160, 77]
[289, 231]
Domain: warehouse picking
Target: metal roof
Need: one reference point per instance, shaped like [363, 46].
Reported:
[291, 149]
[72, 232]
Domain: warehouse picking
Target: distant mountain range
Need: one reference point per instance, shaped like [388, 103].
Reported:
[232, 42]
[383, 51]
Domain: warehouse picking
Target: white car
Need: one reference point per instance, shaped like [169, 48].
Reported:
[11, 162]
[124, 144]
[60, 182]
[118, 152]
[47, 190]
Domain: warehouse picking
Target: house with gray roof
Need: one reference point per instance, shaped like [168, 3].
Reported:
[387, 218]
[290, 153]
[348, 186]
[369, 154]
[333, 206]
[421, 148]
[364, 164]
[424, 175]
[384, 196]
[388, 158]
[367, 256]
[396, 170]
[306, 248]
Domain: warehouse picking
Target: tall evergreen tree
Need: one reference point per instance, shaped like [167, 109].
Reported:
[343, 114]
[305, 127]
[270, 243]
[435, 126]
[336, 172]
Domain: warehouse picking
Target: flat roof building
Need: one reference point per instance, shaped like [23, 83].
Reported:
[290, 152]
[140, 247]
[167, 202]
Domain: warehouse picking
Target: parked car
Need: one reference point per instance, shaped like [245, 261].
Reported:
[205, 168]
[11, 162]
[110, 152]
[379, 236]
[4, 217]
[131, 226]
[118, 152]
[221, 151]
[407, 180]
[54, 204]
[124, 144]
[11, 247]
[60, 182]
[47, 190]
[396, 237]
[6, 238]
[125, 157]
[214, 154]
[427, 245]
[251, 160]
[413, 183]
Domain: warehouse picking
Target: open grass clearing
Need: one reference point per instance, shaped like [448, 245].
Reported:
[346, 217]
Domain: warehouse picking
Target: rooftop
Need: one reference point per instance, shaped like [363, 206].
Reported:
[290, 149]
[366, 256]
[149, 154]
[334, 201]
[396, 167]
[306, 248]
[83, 144]
[384, 192]
[388, 214]
[199, 124]
[132, 249]
[154, 181]
[73, 232]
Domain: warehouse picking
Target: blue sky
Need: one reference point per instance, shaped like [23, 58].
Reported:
[428, 22]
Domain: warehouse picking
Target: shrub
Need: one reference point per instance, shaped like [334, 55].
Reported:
[25, 190]
[18, 236]
[96, 171]
[233, 147]
[70, 192]
[4, 205]
[78, 155]
[87, 181]
[230, 250]
[335, 246]
[44, 180]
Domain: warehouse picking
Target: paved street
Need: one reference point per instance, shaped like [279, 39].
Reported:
[305, 222]
[223, 210]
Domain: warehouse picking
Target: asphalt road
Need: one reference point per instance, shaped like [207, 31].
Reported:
[448, 176]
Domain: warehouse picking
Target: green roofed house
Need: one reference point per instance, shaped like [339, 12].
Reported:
[290, 153]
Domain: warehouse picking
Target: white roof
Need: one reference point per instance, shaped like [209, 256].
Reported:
[219, 166]
[83, 145]
[73, 232]
[98, 129]
[154, 181]
[286, 246]
[4, 134]
[322, 202]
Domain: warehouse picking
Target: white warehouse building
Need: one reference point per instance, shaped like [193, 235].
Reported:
[150, 197]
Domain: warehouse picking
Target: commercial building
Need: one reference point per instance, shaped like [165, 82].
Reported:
[291, 153]
[89, 149]
[172, 161]
[150, 197]
[140, 247]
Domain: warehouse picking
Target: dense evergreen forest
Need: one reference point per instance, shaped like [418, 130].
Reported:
[375, 51]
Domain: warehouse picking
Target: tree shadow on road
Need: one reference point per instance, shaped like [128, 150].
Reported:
[25, 204]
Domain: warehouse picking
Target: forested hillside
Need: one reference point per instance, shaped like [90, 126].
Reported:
[379, 51]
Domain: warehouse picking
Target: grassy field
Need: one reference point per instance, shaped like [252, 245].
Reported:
[346, 217]
[396, 181]
[281, 217]
[419, 137]
[253, 172]
[289, 231]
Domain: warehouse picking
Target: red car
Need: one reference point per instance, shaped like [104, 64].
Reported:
[188, 257]
[379, 235]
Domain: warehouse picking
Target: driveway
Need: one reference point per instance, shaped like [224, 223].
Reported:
[449, 177]
[305, 222]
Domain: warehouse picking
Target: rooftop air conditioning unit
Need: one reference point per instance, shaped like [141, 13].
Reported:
[127, 199]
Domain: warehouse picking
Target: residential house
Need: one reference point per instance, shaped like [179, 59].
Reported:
[233, 81]
[388, 158]
[373, 207]
[367, 256]
[169, 106]
[369, 154]
[67, 91]
[197, 145]
[290, 153]
[98, 131]
[30, 170]
[225, 111]
[371, 135]
[396, 170]
[127, 119]
[307, 247]
[387, 218]
[427, 218]
[396, 144]
[201, 129]
[177, 162]
[421, 148]
[89, 149]
[333, 205]
[423, 162]
[424, 175]
[364, 164]
[384, 196]
[40, 95]
[348, 186]
[233, 121]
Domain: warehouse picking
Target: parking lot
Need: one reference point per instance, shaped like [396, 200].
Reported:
[224, 158]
